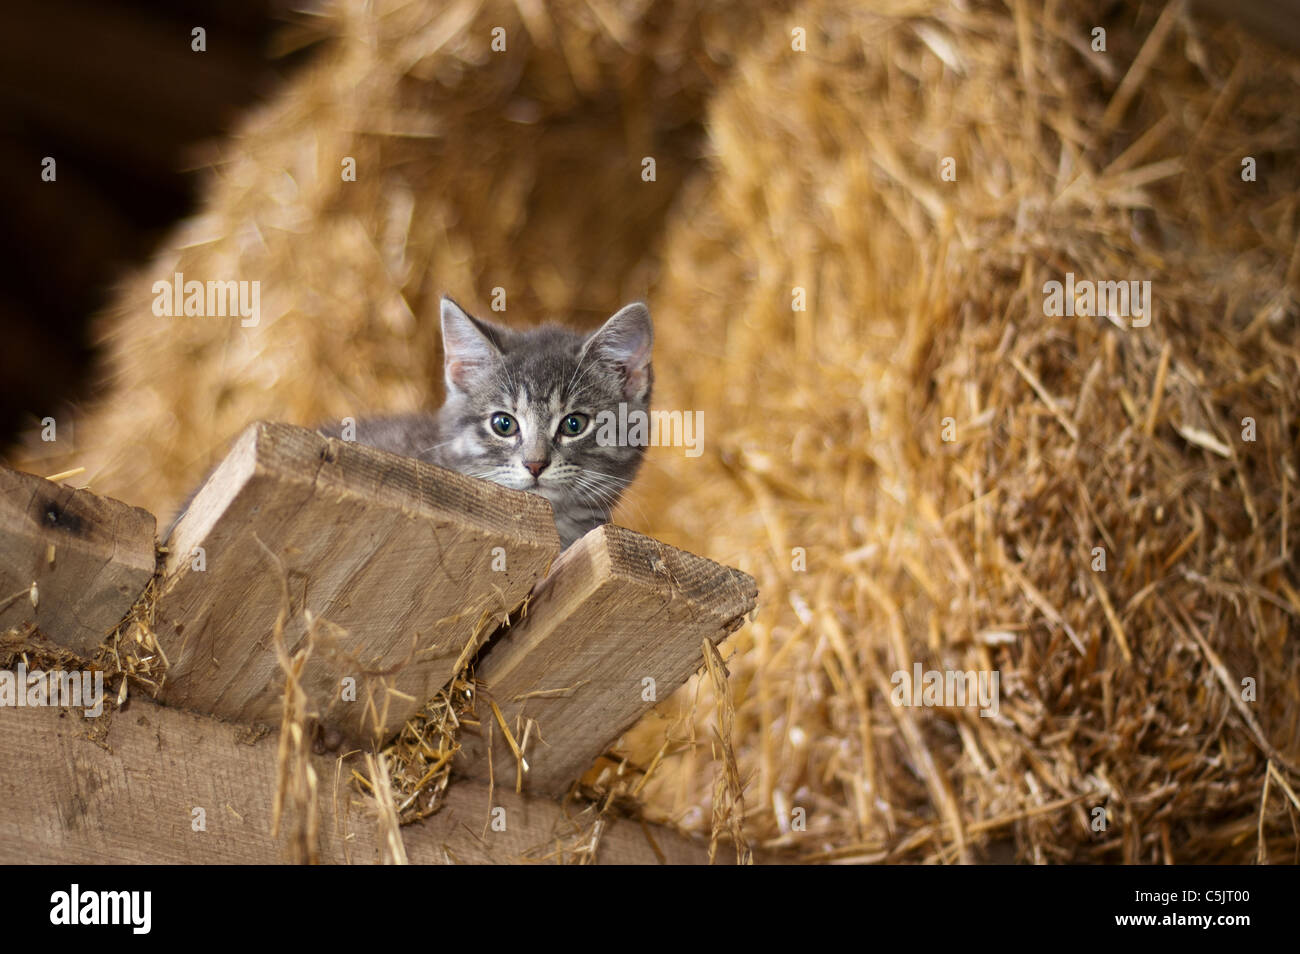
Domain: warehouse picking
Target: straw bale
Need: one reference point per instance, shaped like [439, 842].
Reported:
[1120, 690]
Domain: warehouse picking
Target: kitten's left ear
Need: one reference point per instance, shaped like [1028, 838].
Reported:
[625, 341]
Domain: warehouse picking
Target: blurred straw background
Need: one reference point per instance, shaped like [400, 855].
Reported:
[876, 542]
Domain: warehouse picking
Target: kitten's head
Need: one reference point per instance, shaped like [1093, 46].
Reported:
[524, 408]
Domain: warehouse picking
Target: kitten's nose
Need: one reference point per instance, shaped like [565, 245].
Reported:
[535, 467]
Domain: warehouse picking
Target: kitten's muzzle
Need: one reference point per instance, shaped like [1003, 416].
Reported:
[535, 467]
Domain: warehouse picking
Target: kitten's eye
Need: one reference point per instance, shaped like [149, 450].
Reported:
[574, 425]
[503, 424]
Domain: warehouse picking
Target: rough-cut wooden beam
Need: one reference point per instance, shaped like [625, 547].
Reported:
[402, 559]
[615, 626]
[67, 800]
[90, 558]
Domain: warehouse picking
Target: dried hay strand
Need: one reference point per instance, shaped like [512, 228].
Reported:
[393, 849]
[132, 650]
[1121, 691]
[728, 791]
[296, 788]
[129, 654]
[418, 761]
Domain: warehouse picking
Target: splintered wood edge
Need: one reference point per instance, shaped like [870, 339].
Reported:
[723, 592]
[297, 455]
[612, 554]
[718, 597]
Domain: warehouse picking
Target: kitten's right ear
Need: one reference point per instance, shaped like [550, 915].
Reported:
[624, 341]
[468, 350]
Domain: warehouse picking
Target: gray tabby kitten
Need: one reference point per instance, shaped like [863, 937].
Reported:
[522, 411]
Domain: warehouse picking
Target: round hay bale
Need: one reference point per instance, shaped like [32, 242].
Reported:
[920, 467]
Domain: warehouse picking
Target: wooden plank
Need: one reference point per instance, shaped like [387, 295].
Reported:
[67, 800]
[617, 609]
[403, 559]
[89, 556]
